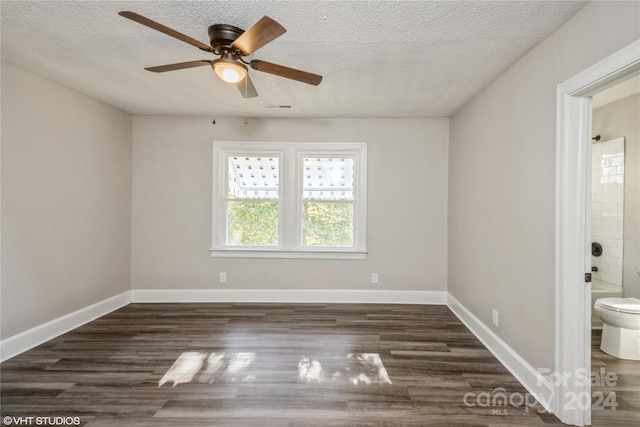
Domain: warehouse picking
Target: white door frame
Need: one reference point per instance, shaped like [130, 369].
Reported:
[572, 396]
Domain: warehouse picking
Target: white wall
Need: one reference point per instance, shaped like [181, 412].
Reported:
[501, 181]
[407, 204]
[621, 118]
[66, 201]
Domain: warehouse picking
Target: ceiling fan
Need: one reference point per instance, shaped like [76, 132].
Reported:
[231, 44]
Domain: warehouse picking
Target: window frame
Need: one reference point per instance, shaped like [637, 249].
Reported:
[290, 198]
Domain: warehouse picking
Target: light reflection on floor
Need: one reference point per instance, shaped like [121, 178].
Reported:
[189, 363]
[367, 368]
[355, 368]
[184, 368]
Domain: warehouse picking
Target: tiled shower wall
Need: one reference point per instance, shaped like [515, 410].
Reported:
[607, 209]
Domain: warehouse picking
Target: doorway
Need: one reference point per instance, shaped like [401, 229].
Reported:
[615, 220]
[616, 122]
[572, 398]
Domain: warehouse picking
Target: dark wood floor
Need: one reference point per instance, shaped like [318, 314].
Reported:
[618, 381]
[267, 364]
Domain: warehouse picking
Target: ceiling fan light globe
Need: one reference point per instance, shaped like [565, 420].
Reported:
[229, 71]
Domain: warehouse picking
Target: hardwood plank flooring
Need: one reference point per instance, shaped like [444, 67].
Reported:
[618, 380]
[267, 365]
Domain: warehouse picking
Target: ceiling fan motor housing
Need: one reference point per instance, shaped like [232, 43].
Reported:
[223, 35]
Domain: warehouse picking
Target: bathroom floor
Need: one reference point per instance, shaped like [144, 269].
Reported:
[615, 389]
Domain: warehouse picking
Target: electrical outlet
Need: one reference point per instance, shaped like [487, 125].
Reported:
[223, 277]
[495, 317]
[374, 277]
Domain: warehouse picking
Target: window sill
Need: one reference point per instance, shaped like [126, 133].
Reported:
[267, 253]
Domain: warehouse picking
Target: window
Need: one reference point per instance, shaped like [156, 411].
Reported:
[289, 200]
[252, 200]
[327, 201]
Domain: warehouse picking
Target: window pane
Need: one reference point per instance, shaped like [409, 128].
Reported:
[252, 223]
[327, 218]
[327, 178]
[253, 177]
[327, 224]
[252, 204]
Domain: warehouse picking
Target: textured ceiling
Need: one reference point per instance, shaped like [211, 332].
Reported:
[378, 58]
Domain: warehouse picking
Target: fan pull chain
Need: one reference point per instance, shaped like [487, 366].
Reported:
[246, 102]
[213, 101]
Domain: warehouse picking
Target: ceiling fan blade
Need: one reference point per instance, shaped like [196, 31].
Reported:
[178, 66]
[289, 73]
[246, 88]
[166, 30]
[261, 33]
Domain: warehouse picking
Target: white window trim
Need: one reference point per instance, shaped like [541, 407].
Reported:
[290, 185]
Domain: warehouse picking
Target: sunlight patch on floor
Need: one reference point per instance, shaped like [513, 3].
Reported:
[355, 368]
[186, 366]
[358, 368]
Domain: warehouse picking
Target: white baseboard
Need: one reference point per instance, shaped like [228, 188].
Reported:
[288, 296]
[26, 340]
[535, 383]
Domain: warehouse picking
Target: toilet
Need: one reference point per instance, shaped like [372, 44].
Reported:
[621, 329]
